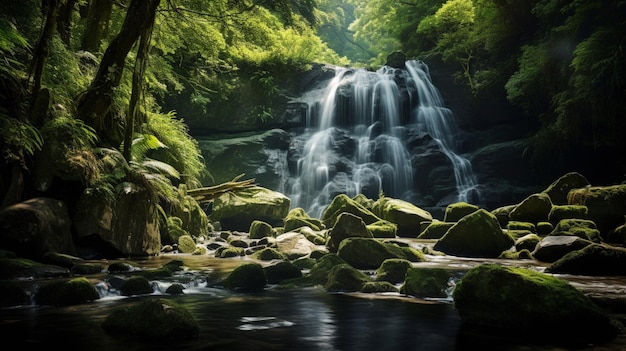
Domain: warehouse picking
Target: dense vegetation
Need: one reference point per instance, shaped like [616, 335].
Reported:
[82, 81]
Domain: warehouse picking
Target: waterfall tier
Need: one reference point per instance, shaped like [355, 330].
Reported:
[358, 138]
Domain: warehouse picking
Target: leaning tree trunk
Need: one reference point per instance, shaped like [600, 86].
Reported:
[94, 104]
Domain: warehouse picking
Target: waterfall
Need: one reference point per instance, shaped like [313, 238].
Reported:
[357, 128]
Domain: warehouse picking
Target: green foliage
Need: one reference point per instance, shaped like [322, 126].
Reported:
[19, 138]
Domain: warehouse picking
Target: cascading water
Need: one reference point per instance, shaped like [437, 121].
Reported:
[355, 136]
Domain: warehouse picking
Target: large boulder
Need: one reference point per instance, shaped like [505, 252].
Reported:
[458, 210]
[606, 204]
[475, 235]
[236, 210]
[426, 282]
[553, 247]
[535, 208]
[561, 187]
[127, 227]
[249, 277]
[35, 227]
[342, 203]
[582, 228]
[404, 214]
[64, 293]
[294, 245]
[347, 225]
[365, 253]
[595, 260]
[153, 319]
[529, 304]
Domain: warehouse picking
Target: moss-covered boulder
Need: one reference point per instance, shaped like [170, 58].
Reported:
[560, 212]
[345, 278]
[617, 236]
[136, 285]
[35, 227]
[404, 214]
[535, 208]
[69, 292]
[316, 237]
[527, 242]
[426, 282]
[378, 287]
[260, 229]
[475, 235]
[318, 274]
[281, 271]
[364, 201]
[297, 217]
[553, 247]
[383, 229]
[582, 228]
[544, 228]
[530, 304]
[249, 277]
[268, 254]
[366, 253]
[435, 230]
[153, 319]
[393, 270]
[502, 214]
[594, 260]
[342, 204]
[236, 210]
[347, 225]
[606, 205]
[517, 225]
[561, 187]
[186, 244]
[458, 210]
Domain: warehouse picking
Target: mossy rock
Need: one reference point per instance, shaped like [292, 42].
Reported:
[136, 285]
[229, 251]
[560, 212]
[535, 208]
[502, 214]
[561, 187]
[342, 204]
[365, 253]
[383, 229]
[249, 277]
[475, 235]
[393, 270]
[318, 274]
[345, 278]
[426, 283]
[520, 301]
[260, 229]
[281, 271]
[544, 228]
[593, 260]
[527, 242]
[64, 293]
[435, 230]
[553, 247]
[606, 205]
[378, 287]
[364, 201]
[154, 319]
[268, 254]
[517, 225]
[402, 213]
[458, 210]
[186, 244]
[582, 228]
[62, 260]
[347, 225]
[120, 267]
[297, 218]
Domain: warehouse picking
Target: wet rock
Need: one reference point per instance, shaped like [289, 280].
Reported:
[595, 260]
[64, 293]
[553, 247]
[402, 213]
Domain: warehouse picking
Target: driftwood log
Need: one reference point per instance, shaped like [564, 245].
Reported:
[208, 194]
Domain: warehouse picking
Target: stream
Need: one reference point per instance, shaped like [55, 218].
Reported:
[307, 318]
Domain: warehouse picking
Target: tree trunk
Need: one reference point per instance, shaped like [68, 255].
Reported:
[64, 21]
[42, 50]
[94, 104]
[97, 25]
[134, 109]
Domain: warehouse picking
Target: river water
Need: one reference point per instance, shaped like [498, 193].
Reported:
[279, 319]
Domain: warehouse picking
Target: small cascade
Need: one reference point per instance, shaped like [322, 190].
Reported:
[356, 134]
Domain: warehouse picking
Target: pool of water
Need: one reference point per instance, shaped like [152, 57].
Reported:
[279, 319]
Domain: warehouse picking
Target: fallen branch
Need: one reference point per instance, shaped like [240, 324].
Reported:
[209, 193]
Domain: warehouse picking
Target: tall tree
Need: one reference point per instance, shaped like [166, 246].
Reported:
[95, 104]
